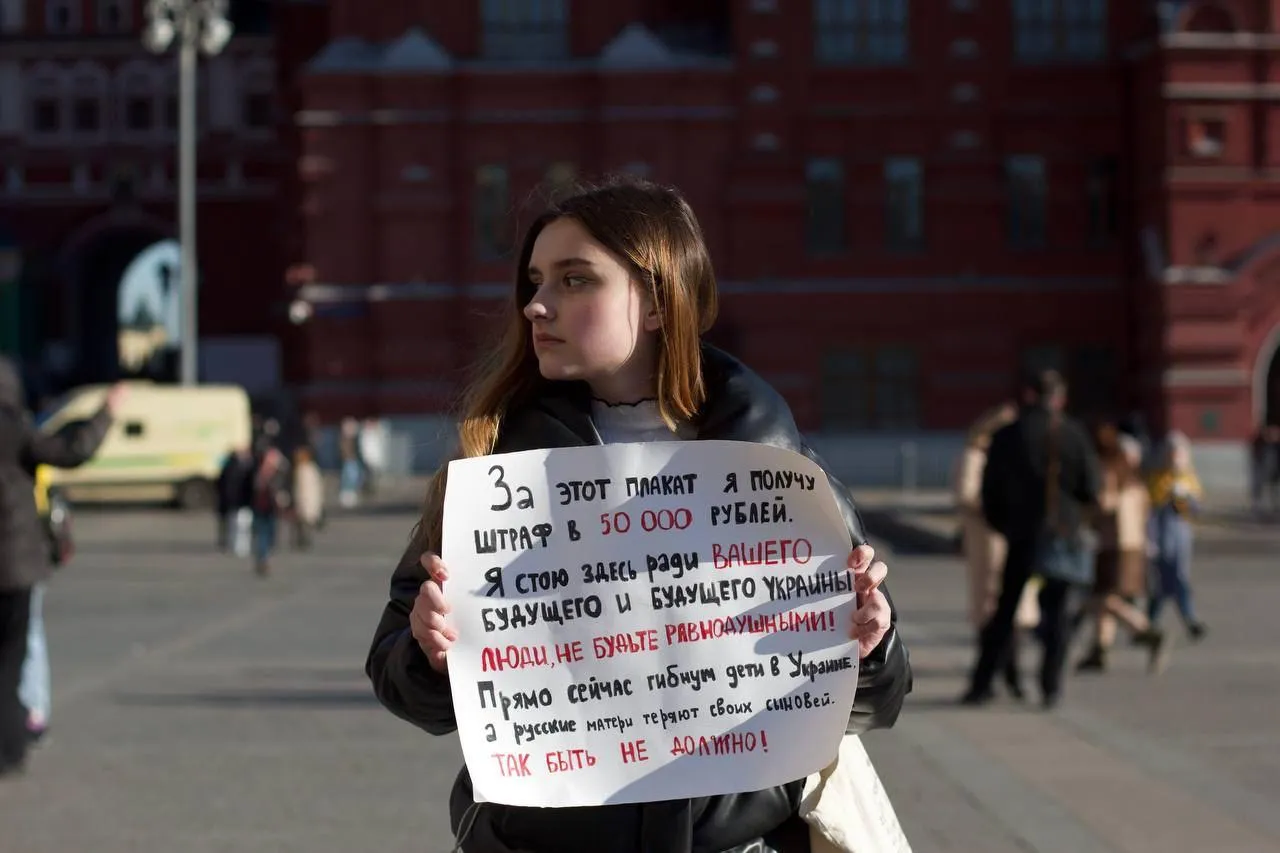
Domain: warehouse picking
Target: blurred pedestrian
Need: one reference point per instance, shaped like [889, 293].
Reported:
[1176, 498]
[349, 477]
[308, 497]
[984, 549]
[233, 499]
[1264, 470]
[373, 453]
[24, 547]
[1041, 475]
[271, 482]
[1121, 573]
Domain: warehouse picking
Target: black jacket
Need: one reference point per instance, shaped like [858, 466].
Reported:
[1013, 482]
[24, 547]
[740, 407]
[235, 482]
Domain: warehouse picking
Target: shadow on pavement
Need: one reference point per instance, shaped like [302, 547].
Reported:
[320, 674]
[903, 536]
[162, 547]
[958, 670]
[376, 509]
[303, 698]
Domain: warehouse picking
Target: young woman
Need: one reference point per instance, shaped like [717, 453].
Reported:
[1121, 563]
[613, 290]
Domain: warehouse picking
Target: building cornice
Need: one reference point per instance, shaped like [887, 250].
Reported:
[426, 291]
[74, 49]
[1203, 43]
[1221, 91]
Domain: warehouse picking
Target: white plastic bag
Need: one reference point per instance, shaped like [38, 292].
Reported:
[847, 808]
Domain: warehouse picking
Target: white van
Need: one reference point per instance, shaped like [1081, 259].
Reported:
[167, 443]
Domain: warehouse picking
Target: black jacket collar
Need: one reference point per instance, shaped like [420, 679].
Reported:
[740, 406]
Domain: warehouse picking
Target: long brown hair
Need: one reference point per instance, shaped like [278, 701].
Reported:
[1116, 465]
[653, 231]
[990, 422]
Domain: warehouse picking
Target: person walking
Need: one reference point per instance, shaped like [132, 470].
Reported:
[1176, 498]
[984, 549]
[270, 497]
[1121, 574]
[233, 500]
[24, 546]
[308, 498]
[1017, 489]
[1264, 471]
[352, 470]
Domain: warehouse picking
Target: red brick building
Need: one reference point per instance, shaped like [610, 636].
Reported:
[88, 145]
[905, 200]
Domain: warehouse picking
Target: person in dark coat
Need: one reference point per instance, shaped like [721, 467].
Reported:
[234, 481]
[269, 496]
[1015, 492]
[24, 547]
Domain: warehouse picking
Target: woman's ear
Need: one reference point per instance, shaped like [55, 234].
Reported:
[652, 320]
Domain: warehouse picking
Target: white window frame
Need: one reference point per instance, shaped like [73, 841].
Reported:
[525, 30]
[1072, 32]
[74, 22]
[137, 79]
[13, 15]
[125, 24]
[46, 81]
[255, 77]
[861, 32]
[88, 81]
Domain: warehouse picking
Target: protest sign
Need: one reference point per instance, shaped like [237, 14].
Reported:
[644, 622]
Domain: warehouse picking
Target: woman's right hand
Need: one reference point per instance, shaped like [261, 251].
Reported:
[427, 621]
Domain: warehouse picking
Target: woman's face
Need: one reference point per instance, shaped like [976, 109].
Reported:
[1132, 455]
[591, 320]
[1180, 458]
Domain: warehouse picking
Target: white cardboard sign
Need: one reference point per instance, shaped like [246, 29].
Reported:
[641, 622]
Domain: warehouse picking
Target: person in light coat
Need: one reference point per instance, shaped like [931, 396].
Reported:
[308, 497]
[984, 549]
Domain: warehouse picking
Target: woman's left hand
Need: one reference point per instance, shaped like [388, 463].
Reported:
[871, 619]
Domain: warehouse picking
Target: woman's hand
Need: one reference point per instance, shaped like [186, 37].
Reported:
[870, 620]
[427, 621]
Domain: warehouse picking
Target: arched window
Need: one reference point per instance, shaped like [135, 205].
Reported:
[257, 97]
[90, 87]
[490, 210]
[61, 17]
[46, 107]
[137, 107]
[168, 107]
[113, 16]
[1209, 18]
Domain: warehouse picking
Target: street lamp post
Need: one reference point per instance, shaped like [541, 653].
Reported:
[199, 26]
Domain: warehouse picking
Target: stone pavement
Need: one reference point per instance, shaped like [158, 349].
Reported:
[200, 709]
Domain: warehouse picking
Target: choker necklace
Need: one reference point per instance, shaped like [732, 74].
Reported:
[629, 405]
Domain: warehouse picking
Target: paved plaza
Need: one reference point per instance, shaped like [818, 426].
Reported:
[200, 709]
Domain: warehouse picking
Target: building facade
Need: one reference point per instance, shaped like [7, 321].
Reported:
[88, 143]
[1205, 148]
[906, 201]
